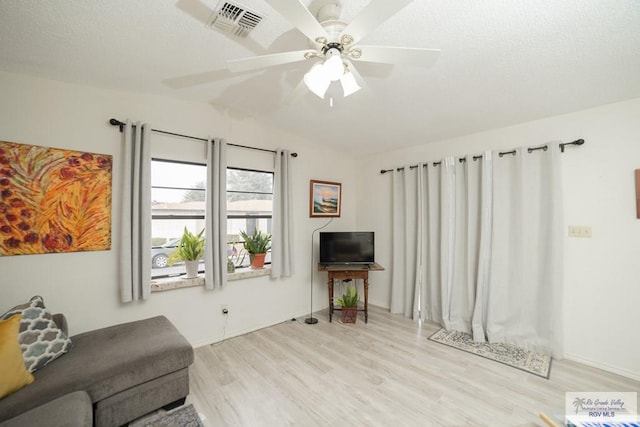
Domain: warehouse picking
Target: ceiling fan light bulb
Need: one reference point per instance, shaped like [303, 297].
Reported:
[333, 66]
[349, 84]
[316, 80]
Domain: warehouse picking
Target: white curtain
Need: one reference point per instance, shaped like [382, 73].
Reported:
[525, 288]
[477, 246]
[449, 254]
[135, 232]
[404, 243]
[215, 252]
[485, 222]
[282, 230]
[431, 290]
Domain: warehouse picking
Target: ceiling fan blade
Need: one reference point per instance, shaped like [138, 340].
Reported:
[374, 14]
[264, 61]
[298, 14]
[298, 92]
[196, 9]
[198, 78]
[415, 56]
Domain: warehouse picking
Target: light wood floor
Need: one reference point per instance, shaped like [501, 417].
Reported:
[384, 373]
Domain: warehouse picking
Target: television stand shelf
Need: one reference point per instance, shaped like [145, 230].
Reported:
[342, 272]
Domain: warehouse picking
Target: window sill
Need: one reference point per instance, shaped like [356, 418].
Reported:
[170, 283]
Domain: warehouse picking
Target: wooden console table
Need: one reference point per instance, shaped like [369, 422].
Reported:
[349, 272]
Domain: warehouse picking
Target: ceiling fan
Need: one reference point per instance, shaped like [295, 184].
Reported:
[334, 45]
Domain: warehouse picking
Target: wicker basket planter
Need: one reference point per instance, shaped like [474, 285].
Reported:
[349, 314]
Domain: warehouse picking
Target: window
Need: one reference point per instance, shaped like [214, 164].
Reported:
[177, 201]
[178, 192]
[249, 208]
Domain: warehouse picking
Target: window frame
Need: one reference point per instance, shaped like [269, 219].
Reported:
[269, 218]
[246, 217]
[175, 217]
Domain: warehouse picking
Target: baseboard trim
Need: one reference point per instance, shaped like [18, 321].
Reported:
[628, 374]
[231, 334]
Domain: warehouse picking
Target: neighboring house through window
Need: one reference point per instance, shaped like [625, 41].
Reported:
[177, 201]
[178, 191]
[249, 208]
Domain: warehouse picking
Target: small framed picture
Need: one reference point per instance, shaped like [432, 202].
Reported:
[325, 199]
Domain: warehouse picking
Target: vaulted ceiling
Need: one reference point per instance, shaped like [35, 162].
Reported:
[502, 62]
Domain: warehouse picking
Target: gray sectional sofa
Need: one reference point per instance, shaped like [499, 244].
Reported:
[71, 410]
[115, 375]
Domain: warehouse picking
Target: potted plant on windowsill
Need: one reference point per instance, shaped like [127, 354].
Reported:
[349, 303]
[257, 245]
[190, 250]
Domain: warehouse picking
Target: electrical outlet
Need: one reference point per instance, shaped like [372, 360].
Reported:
[580, 231]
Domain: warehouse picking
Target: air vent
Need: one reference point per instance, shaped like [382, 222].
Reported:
[234, 19]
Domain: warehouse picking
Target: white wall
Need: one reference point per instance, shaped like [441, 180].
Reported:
[83, 285]
[602, 274]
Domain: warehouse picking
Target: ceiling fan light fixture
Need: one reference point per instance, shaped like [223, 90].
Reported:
[334, 42]
[333, 66]
[316, 80]
[349, 84]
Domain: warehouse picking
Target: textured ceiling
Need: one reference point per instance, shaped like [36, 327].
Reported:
[502, 62]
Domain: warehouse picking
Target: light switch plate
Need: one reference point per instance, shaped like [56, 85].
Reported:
[580, 231]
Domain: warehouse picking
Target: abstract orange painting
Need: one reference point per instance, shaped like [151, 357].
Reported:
[53, 200]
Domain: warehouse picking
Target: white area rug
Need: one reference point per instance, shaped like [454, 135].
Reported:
[528, 361]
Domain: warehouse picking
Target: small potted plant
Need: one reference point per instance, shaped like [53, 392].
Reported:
[231, 267]
[349, 303]
[257, 245]
[190, 250]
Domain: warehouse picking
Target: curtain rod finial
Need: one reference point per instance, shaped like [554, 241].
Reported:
[116, 122]
[576, 142]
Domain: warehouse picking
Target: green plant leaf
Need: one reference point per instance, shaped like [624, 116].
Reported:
[350, 298]
[190, 248]
[256, 243]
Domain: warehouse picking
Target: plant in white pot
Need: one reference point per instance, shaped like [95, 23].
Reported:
[257, 245]
[190, 250]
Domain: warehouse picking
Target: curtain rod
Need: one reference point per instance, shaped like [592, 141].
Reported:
[502, 153]
[116, 122]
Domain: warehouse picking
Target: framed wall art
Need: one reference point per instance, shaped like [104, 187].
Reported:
[53, 200]
[325, 199]
[638, 193]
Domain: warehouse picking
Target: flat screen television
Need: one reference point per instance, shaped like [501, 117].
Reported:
[347, 247]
